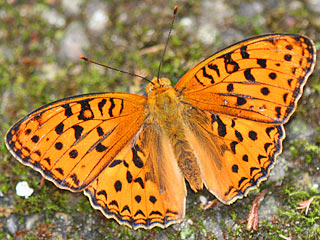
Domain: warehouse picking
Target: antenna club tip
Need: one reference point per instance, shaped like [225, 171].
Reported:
[175, 9]
[84, 58]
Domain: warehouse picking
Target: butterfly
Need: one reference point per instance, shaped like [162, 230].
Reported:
[220, 127]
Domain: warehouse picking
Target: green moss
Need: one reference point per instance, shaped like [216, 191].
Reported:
[3, 235]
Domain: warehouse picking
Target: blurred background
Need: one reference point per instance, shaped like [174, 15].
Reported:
[40, 46]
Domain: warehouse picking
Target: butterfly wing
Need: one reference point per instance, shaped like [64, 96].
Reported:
[234, 154]
[107, 145]
[259, 79]
[143, 186]
[72, 140]
[234, 105]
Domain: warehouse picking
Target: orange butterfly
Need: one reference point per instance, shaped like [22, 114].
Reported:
[220, 127]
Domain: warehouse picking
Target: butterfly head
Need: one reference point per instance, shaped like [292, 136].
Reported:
[157, 83]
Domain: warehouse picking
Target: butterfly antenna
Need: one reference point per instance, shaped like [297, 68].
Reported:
[165, 48]
[115, 69]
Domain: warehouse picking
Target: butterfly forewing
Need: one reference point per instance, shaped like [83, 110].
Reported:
[72, 140]
[259, 79]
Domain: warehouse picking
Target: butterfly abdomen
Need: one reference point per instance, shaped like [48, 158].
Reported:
[164, 108]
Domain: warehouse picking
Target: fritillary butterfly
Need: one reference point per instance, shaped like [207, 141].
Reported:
[221, 127]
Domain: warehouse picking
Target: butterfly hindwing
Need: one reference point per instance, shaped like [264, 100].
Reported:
[72, 140]
[233, 154]
[137, 187]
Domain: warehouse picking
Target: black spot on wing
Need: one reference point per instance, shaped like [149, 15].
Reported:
[241, 181]
[262, 62]
[198, 80]
[111, 107]
[241, 101]
[288, 57]
[248, 75]
[115, 163]
[101, 104]
[59, 128]
[245, 158]
[222, 129]
[100, 131]
[85, 112]
[289, 47]
[125, 164]
[253, 169]
[139, 212]
[266, 146]
[114, 202]
[129, 177]
[136, 159]
[27, 132]
[59, 170]
[215, 68]
[253, 135]
[230, 65]
[244, 53]
[205, 74]
[230, 87]
[261, 157]
[77, 131]
[58, 145]
[285, 96]
[26, 149]
[265, 91]
[35, 139]
[67, 110]
[118, 186]
[38, 153]
[103, 193]
[122, 106]
[272, 75]
[235, 168]
[233, 123]
[233, 146]
[278, 111]
[138, 198]
[125, 208]
[172, 212]
[152, 199]
[47, 160]
[140, 181]
[75, 179]
[156, 213]
[100, 147]
[73, 153]
[238, 135]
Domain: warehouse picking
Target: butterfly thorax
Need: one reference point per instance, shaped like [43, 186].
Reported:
[157, 84]
[165, 110]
